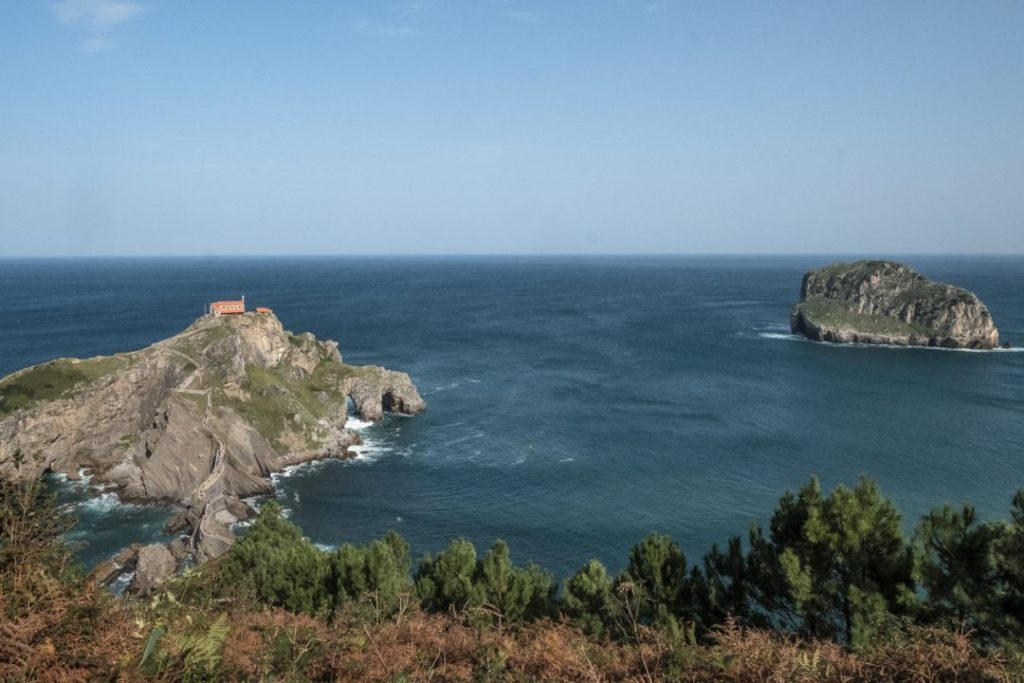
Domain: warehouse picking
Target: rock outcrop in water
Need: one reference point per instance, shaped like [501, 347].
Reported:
[200, 420]
[883, 302]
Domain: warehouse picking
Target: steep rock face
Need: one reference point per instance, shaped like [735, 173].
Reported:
[201, 419]
[882, 302]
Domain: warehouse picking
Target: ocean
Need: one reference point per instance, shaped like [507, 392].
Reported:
[574, 403]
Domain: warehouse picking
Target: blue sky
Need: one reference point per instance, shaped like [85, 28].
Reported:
[510, 126]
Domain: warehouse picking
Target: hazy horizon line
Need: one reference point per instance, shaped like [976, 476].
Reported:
[494, 255]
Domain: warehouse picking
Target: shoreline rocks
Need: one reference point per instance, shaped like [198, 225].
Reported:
[883, 302]
[153, 564]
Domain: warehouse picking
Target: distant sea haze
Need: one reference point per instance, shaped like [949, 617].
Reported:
[575, 404]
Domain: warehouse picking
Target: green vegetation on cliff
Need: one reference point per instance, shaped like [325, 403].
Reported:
[910, 286]
[50, 381]
[276, 403]
[279, 401]
[825, 312]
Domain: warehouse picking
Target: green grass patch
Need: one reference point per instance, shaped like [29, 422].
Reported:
[328, 374]
[52, 380]
[277, 402]
[825, 312]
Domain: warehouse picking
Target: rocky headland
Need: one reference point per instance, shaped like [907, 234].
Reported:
[883, 302]
[198, 421]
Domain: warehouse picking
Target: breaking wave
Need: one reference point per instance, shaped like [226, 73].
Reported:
[780, 335]
[370, 450]
[355, 423]
[102, 504]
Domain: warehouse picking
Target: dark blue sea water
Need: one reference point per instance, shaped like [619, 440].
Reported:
[575, 404]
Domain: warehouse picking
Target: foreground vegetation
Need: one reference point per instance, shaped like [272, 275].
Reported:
[832, 591]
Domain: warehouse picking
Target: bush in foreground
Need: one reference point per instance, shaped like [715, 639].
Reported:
[833, 592]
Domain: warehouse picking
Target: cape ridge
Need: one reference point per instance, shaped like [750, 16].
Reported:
[200, 421]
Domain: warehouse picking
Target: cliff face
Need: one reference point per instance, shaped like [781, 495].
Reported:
[201, 419]
[882, 302]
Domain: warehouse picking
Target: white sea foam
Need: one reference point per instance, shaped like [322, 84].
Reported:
[275, 477]
[121, 583]
[64, 480]
[326, 547]
[369, 451]
[255, 502]
[779, 335]
[354, 422]
[101, 504]
[298, 468]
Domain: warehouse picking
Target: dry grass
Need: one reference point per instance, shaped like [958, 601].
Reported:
[79, 635]
[92, 637]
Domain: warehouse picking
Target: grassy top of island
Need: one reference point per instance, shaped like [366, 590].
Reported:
[834, 314]
[52, 380]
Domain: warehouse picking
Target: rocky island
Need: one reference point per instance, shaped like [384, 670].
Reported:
[198, 421]
[883, 302]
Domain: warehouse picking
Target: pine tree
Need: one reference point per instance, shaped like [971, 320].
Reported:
[721, 589]
[1008, 553]
[515, 593]
[657, 570]
[446, 581]
[835, 566]
[277, 564]
[456, 579]
[955, 566]
[587, 597]
[378, 573]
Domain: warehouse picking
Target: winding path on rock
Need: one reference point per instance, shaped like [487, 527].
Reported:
[209, 496]
[162, 346]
